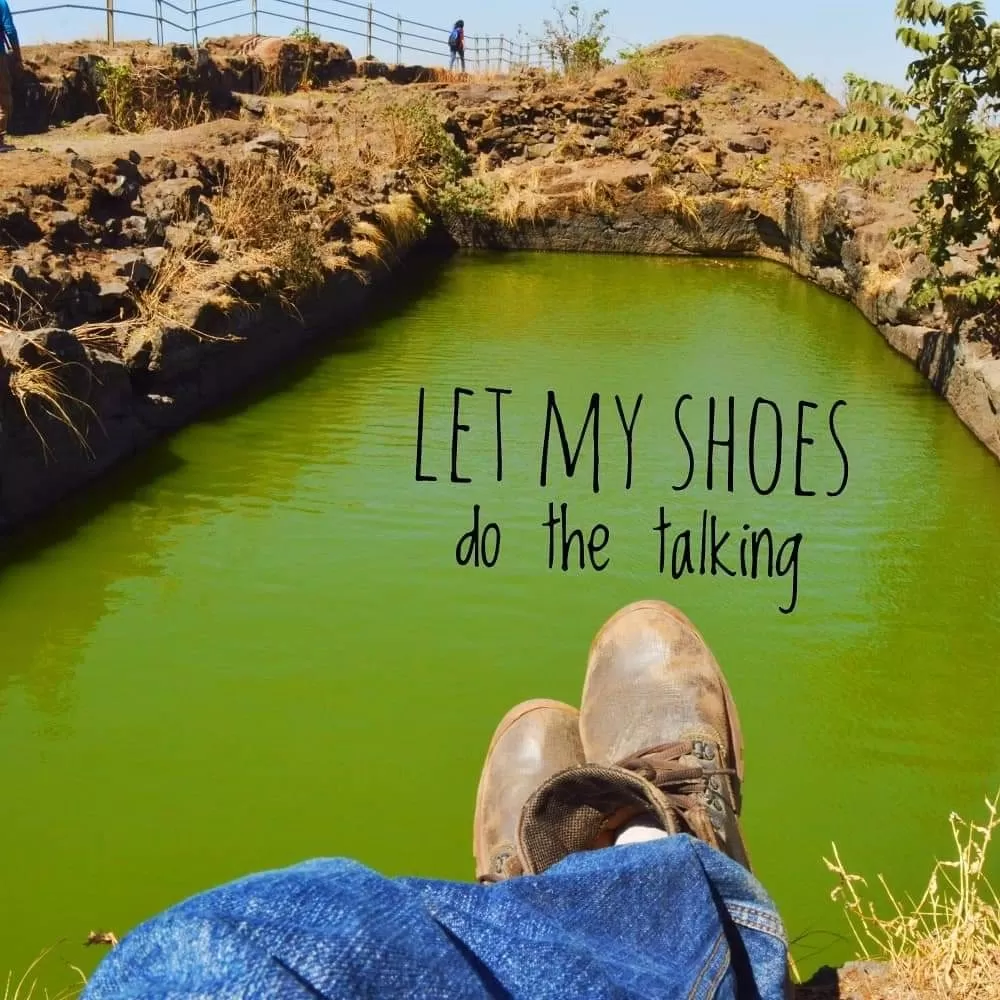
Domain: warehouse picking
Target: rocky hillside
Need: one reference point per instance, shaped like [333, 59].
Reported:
[202, 209]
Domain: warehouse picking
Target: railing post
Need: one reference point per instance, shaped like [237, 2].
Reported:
[253, 17]
[159, 22]
[399, 40]
[306, 11]
[500, 60]
[194, 22]
[487, 53]
[111, 22]
[370, 14]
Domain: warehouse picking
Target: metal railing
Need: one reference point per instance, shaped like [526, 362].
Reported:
[386, 36]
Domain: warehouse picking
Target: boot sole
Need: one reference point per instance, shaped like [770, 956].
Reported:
[517, 712]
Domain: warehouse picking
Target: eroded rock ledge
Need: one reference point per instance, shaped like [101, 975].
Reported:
[824, 237]
[89, 221]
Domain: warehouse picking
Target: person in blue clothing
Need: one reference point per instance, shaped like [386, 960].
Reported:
[8, 62]
[610, 865]
[456, 45]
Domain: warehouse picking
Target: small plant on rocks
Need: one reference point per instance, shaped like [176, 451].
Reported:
[576, 39]
[422, 145]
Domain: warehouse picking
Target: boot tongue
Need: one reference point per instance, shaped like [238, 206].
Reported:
[673, 767]
[687, 772]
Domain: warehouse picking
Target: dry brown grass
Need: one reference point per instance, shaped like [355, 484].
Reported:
[401, 221]
[685, 208]
[26, 987]
[419, 143]
[944, 945]
[43, 385]
[520, 201]
[158, 302]
[596, 196]
[19, 309]
[138, 98]
[259, 207]
[400, 225]
[701, 62]
[370, 245]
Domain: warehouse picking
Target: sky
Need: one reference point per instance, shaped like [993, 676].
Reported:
[824, 37]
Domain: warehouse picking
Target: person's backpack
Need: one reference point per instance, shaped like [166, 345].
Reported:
[453, 38]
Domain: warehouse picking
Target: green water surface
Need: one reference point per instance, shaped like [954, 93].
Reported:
[253, 645]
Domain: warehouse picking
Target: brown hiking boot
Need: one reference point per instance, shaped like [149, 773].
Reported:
[534, 741]
[656, 703]
[662, 740]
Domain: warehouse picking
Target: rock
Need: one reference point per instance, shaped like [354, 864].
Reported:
[703, 160]
[41, 346]
[857, 980]
[908, 340]
[808, 226]
[95, 123]
[112, 295]
[570, 149]
[81, 165]
[135, 228]
[637, 180]
[833, 280]
[854, 208]
[154, 256]
[700, 183]
[164, 169]
[178, 235]
[538, 150]
[252, 105]
[602, 144]
[961, 265]
[133, 267]
[65, 228]
[118, 187]
[167, 201]
[273, 142]
[750, 144]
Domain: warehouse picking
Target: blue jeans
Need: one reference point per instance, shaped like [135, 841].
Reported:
[456, 54]
[670, 918]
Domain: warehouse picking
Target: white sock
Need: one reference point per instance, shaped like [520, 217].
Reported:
[638, 833]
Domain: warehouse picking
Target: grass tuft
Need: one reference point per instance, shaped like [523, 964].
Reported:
[597, 196]
[402, 222]
[683, 207]
[514, 204]
[43, 385]
[370, 244]
[944, 945]
[138, 99]
[260, 208]
[26, 987]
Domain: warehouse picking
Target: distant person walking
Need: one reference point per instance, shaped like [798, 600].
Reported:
[8, 40]
[456, 43]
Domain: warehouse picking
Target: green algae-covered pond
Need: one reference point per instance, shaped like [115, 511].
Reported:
[254, 645]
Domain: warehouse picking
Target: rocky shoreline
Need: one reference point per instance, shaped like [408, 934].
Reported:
[104, 348]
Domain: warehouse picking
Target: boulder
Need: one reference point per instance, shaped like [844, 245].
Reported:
[750, 144]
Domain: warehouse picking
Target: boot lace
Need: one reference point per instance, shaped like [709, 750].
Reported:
[694, 792]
